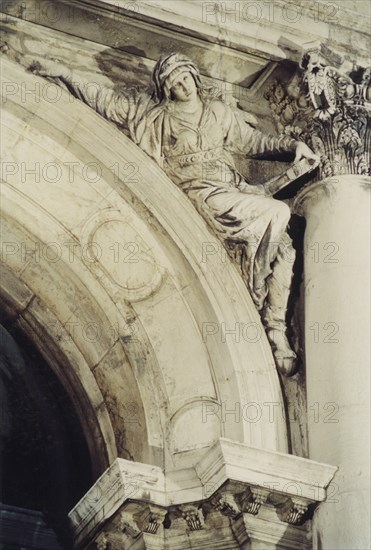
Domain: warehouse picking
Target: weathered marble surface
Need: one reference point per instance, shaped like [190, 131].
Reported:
[101, 417]
[110, 67]
[115, 328]
[271, 30]
[337, 333]
[234, 497]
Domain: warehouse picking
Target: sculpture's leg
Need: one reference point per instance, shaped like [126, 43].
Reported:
[274, 312]
[258, 223]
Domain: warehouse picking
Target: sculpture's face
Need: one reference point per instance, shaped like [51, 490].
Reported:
[184, 87]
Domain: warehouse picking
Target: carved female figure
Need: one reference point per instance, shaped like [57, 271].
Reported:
[193, 136]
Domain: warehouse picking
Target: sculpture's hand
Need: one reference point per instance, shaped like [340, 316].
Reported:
[303, 151]
[10, 52]
[48, 67]
[3, 46]
[38, 65]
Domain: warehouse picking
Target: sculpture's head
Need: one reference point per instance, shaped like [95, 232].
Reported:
[171, 76]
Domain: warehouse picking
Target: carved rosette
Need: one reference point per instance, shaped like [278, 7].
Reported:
[327, 105]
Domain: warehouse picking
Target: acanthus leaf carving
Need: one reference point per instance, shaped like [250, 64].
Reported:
[329, 110]
[294, 510]
[102, 542]
[193, 517]
[252, 499]
[225, 504]
[150, 518]
[111, 539]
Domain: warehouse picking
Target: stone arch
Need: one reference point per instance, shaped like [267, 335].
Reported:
[127, 248]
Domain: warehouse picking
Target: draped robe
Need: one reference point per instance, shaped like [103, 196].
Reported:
[199, 159]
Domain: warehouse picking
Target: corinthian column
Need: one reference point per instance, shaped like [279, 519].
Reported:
[330, 110]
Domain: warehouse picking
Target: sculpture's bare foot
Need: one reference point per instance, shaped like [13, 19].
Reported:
[285, 365]
[284, 356]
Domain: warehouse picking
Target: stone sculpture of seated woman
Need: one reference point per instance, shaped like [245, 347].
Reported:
[193, 137]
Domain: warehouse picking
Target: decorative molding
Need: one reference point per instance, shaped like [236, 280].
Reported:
[267, 31]
[150, 518]
[193, 517]
[294, 510]
[231, 480]
[225, 504]
[252, 499]
[266, 530]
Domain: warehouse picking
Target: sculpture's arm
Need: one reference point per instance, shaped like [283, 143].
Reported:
[112, 105]
[244, 139]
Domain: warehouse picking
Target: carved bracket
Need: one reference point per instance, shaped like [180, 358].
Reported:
[193, 517]
[150, 519]
[252, 499]
[293, 510]
[225, 504]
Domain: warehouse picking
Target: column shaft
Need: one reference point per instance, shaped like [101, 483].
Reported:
[337, 345]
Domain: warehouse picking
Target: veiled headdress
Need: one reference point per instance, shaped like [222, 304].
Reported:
[165, 66]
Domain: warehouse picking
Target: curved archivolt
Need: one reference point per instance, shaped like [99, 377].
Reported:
[126, 292]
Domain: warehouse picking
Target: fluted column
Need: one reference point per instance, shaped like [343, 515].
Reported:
[328, 107]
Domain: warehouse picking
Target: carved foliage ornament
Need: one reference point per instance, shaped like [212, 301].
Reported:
[252, 499]
[294, 511]
[143, 524]
[193, 517]
[328, 109]
[225, 504]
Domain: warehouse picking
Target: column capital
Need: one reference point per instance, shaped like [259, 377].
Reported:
[327, 104]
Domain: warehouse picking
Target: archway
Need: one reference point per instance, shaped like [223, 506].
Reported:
[45, 462]
[102, 253]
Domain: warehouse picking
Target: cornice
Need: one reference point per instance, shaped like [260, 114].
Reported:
[231, 478]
